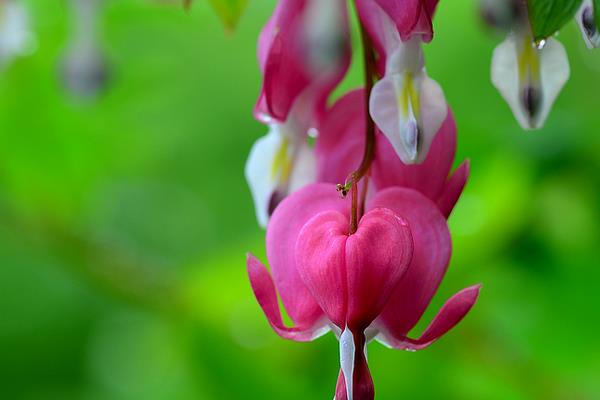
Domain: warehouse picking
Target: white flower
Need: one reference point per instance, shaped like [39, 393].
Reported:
[530, 77]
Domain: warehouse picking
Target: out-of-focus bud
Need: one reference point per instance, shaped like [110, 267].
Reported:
[16, 39]
[502, 14]
[84, 69]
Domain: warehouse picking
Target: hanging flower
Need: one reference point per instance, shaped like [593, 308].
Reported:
[303, 53]
[372, 284]
[586, 18]
[529, 75]
[407, 106]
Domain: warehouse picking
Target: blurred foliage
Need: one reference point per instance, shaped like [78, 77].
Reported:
[124, 223]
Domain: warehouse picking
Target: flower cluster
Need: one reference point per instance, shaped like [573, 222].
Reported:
[531, 74]
[357, 235]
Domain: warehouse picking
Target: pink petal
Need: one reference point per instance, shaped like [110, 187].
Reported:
[351, 277]
[451, 313]
[265, 293]
[430, 177]
[282, 234]
[282, 58]
[341, 142]
[432, 249]
[405, 14]
[453, 189]
[377, 256]
[285, 77]
[320, 254]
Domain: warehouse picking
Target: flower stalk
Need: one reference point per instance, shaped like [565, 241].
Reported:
[369, 153]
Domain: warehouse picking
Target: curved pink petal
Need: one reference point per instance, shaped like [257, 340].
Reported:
[266, 295]
[451, 313]
[285, 78]
[341, 142]
[431, 255]
[282, 234]
[429, 177]
[320, 252]
[454, 188]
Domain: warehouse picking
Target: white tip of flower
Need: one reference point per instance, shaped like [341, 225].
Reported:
[278, 165]
[530, 78]
[409, 110]
[258, 173]
[347, 354]
[586, 19]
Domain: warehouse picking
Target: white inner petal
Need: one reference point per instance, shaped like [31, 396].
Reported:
[347, 354]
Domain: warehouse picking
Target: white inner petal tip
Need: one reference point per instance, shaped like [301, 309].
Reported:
[347, 354]
[411, 139]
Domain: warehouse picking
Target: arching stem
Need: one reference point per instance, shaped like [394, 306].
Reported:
[363, 170]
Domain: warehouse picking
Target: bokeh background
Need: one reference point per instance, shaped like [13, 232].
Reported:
[124, 224]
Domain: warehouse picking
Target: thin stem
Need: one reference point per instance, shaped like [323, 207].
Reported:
[352, 182]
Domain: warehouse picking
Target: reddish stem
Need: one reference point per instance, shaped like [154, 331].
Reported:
[365, 165]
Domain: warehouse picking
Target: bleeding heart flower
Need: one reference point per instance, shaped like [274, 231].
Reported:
[529, 76]
[375, 283]
[303, 52]
[407, 106]
[341, 145]
[586, 18]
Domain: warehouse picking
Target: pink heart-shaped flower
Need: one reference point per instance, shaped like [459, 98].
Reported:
[352, 276]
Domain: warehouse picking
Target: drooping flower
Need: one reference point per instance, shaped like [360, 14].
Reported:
[373, 284]
[586, 18]
[303, 52]
[407, 106]
[529, 75]
[16, 38]
[341, 145]
[84, 68]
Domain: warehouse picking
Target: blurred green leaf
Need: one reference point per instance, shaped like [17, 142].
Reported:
[229, 11]
[597, 11]
[549, 16]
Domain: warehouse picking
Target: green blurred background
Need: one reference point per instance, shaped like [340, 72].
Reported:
[124, 224]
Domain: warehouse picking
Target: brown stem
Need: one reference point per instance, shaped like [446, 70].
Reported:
[365, 165]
